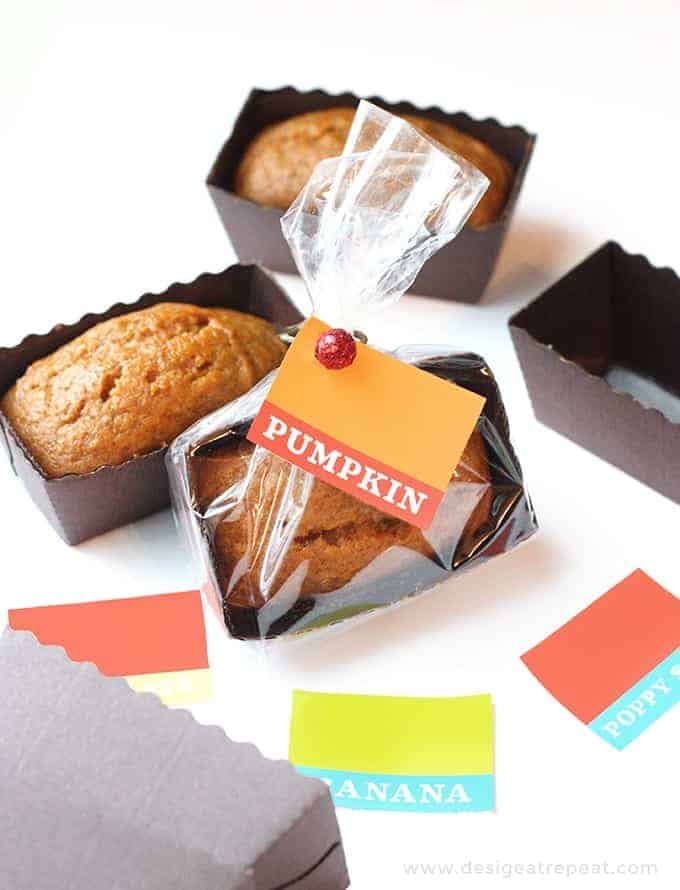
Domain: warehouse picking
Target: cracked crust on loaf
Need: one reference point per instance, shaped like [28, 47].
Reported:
[131, 384]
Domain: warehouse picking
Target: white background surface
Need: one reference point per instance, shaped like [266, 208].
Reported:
[109, 121]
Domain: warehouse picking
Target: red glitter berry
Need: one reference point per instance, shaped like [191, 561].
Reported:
[336, 349]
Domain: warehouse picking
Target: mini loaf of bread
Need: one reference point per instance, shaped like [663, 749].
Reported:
[336, 537]
[131, 384]
[280, 159]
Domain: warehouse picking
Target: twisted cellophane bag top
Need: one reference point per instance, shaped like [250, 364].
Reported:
[282, 552]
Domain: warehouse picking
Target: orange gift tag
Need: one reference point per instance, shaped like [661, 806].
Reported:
[381, 430]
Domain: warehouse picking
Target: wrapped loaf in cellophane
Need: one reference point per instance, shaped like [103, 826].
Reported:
[281, 551]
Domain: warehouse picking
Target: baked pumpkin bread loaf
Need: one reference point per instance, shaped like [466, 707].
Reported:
[336, 537]
[280, 159]
[131, 384]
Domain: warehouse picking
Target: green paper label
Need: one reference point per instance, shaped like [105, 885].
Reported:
[397, 753]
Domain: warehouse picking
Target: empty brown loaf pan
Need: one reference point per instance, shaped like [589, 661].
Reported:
[600, 354]
[459, 271]
[82, 506]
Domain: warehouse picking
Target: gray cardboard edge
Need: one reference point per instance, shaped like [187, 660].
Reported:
[81, 507]
[459, 271]
[580, 404]
[124, 792]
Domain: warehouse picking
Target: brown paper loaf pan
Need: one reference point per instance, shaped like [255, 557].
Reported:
[459, 271]
[613, 310]
[111, 788]
[82, 506]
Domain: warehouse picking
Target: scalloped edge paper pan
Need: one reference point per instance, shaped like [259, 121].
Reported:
[104, 789]
[613, 309]
[459, 271]
[80, 507]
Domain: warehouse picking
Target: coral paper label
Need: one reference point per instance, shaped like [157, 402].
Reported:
[358, 745]
[616, 665]
[157, 643]
[386, 432]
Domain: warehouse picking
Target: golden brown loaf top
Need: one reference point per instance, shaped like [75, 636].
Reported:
[280, 159]
[131, 384]
[337, 535]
